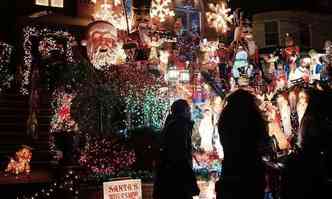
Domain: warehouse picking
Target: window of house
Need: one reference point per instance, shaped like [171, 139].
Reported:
[271, 33]
[305, 35]
[190, 17]
[50, 3]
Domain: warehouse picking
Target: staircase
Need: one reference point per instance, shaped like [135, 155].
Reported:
[14, 110]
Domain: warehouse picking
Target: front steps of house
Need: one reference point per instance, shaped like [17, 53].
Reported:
[14, 111]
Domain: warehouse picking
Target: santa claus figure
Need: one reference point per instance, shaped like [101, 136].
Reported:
[103, 45]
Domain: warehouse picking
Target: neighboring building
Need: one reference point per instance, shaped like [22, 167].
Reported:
[310, 29]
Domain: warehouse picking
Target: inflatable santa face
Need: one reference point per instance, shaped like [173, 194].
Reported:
[103, 47]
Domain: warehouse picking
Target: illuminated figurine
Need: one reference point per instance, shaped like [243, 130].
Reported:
[301, 105]
[240, 64]
[154, 44]
[316, 66]
[103, 46]
[206, 130]
[285, 112]
[281, 77]
[275, 126]
[21, 163]
[291, 50]
[300, 74]
[243, 36]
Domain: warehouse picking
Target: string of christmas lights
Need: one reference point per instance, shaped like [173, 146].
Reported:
[6, 76]
[47, 44]
[103, 156]
[61, 119]
[69, 183]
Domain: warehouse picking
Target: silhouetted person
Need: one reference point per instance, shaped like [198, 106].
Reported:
[175, 177]
[306, 172]
[244, 136]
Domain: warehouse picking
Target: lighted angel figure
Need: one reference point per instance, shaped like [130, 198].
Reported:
[301, 105]
[164, 58]
[285, 112]
[154, 45]
[208, 132]
[206, 129]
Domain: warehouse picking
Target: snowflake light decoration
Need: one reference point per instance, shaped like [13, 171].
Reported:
[219, 17]
[161, 9]
[112, 14]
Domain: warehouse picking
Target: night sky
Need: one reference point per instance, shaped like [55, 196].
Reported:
[9, 12]
[252, 6]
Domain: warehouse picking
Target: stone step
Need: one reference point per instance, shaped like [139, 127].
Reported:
[21, 118]
[14, 110]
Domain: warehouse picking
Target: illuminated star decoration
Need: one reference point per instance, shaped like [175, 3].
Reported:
[161, 9]
[219, 17]
[112, 14]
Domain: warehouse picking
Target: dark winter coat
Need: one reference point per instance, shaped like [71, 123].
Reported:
[175, 177]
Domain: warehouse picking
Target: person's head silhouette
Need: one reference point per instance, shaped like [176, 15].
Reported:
[181, 108]
[241, 118]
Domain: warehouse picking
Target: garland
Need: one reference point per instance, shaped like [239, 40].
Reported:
[61, 105]
[103, 156]
[145, 102]
[45, 47]
[69, 183]
[6, 76]
[144, 175]
[97, 109]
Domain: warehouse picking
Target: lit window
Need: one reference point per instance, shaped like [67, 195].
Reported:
[51, 3]
[271, 33]
[57, 3]
[42, 2]
[190, 17]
